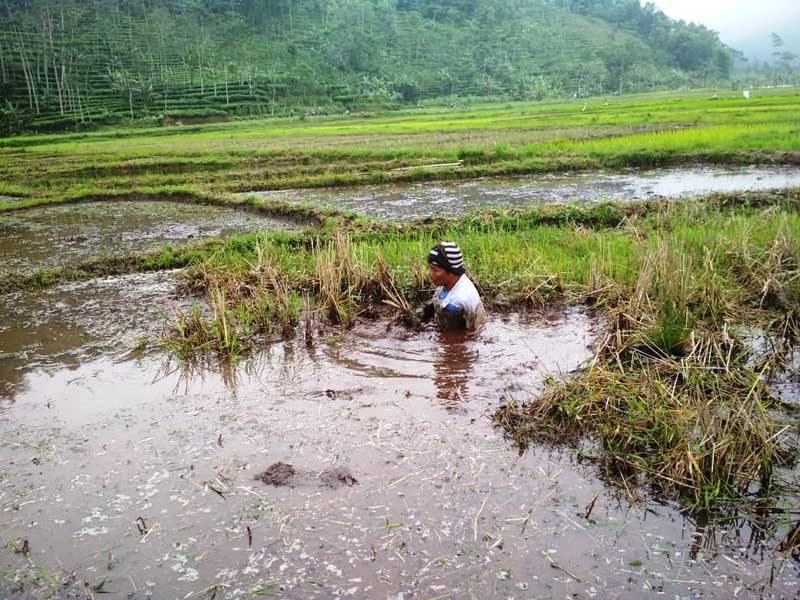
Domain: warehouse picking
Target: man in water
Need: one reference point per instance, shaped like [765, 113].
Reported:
[456, 302]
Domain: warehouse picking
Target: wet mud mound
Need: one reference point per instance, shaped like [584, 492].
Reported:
[336, 478]
[279, 474]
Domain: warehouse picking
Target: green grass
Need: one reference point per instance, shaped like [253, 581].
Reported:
[516, 138]
[515, 257]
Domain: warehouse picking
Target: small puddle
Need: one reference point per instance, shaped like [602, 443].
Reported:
[410, 201]
[121, 468]
[61, 235]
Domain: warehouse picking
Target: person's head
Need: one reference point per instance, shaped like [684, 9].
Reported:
[445, 264]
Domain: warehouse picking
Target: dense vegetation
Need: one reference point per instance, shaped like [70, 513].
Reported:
[79, 63]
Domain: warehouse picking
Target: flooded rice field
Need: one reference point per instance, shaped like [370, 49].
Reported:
[365, 466]
[63, 326]
[60, 235]
[408, 201]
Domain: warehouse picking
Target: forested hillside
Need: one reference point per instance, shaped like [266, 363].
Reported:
[81, 63]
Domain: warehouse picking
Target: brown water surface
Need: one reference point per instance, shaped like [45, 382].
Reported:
[62, 235]
[66, 325]
[123, 470]
[409, 201]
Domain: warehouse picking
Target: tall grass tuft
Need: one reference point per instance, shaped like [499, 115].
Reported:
[340, 278]
[670, 393]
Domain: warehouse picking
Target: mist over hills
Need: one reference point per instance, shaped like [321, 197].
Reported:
[757, 46]
[746, 26]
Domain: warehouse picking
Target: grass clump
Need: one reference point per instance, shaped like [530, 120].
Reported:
[522, 257]
[672, 396]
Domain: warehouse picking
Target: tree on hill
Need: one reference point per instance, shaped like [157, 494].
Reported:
[72, 61]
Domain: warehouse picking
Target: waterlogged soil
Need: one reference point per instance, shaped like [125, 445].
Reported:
[62, 327]
[122, 473]
[62, 235]
[409, 201]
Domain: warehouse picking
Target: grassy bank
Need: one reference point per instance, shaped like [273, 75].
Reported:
[515, 257]
[215, 159]
[675, 392]
[323, 226]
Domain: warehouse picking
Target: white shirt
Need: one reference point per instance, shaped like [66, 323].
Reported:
[462, 295]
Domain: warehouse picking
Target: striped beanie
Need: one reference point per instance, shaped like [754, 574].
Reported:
[447, 255]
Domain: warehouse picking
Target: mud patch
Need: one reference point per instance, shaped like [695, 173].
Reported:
[56, 236]
[336, 478]
[278, 474]
[282, 474]
[179, 121]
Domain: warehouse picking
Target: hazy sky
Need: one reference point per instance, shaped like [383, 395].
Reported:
[743, 24]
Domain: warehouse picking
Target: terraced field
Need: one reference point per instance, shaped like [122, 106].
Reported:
[214, 160]
[234, 394]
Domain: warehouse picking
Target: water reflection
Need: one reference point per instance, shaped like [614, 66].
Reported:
[66, 326]
[453, 362]
[453, 368]
[140, 437]
[187, 375]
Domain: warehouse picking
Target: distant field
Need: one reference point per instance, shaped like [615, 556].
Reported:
[218, 158]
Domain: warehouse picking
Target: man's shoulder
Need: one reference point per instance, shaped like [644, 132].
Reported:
[467, 285]
[467, 292]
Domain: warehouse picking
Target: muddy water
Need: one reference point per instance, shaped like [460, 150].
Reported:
[400, 202]
[63, 326]
[121, 470]
[62, 235]
[785, 382]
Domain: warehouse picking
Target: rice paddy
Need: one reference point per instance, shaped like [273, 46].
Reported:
[217, 159]
[672, 401]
